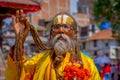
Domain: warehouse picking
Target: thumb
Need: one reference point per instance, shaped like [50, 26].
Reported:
[27, 20]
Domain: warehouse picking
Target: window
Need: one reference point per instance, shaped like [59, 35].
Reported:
[84, 31]
[84, 45]
[95, 43]
[82, 6]
[95, 53]
[106, 44]
[41, 22]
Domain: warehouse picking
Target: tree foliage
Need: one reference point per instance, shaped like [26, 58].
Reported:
[108, 10]
[102, 10]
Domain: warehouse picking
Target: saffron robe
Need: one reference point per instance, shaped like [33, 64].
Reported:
[40, 67]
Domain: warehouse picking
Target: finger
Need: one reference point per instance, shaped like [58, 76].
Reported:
[22, 20]
[27, 19]
[14, 22]
[21, 13]
[13, 19]
[17, 13]
[17, 16]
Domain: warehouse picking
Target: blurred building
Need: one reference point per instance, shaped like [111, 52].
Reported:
[7, 37]
[50, 7]
[92, 39]
[85, 6]
[101, 43]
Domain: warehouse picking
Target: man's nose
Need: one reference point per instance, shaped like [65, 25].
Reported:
[61, 30]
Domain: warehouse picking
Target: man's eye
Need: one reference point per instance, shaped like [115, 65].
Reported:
[64, 26]
[56, 27]
[67, 26]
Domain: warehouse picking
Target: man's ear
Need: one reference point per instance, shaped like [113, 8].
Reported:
[75, 33]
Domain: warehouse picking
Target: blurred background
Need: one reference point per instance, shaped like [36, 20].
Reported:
[98, 21]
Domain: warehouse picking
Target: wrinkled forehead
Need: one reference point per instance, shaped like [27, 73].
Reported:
[63, 19]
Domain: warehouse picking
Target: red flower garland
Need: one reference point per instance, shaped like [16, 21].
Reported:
[73, 71]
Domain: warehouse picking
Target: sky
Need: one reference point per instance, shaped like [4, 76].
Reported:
[73, 6]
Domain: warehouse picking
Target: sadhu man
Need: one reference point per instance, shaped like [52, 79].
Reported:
[61, 60]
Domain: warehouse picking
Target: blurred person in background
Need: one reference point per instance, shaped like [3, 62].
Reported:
[112, 71]
[107, 72]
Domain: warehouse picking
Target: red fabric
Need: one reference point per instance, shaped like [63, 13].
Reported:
[106, 69]
[28, 8]
[101, 74]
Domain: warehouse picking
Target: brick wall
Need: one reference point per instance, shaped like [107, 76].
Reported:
[51, 7]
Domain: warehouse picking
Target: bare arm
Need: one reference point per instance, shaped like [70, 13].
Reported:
[16, 57]
[19, 23]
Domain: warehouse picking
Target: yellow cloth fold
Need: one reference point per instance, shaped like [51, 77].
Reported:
[88, 63]
[40, 67]
[11, 68]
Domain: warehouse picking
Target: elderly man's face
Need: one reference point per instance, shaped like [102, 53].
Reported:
[62, 38]
[63, 33]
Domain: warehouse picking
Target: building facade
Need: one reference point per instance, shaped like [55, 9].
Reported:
[101, 43]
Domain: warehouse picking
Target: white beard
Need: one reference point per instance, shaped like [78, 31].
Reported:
[62, 43]
[60, 46]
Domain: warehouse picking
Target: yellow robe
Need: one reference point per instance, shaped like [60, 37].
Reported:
[40, 67]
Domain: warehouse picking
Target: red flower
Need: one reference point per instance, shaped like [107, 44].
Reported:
[74, 71]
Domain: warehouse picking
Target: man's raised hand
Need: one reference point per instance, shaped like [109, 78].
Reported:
[19, 21]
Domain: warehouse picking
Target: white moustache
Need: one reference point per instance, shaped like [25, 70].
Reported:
[61, 43]
[63, 37]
